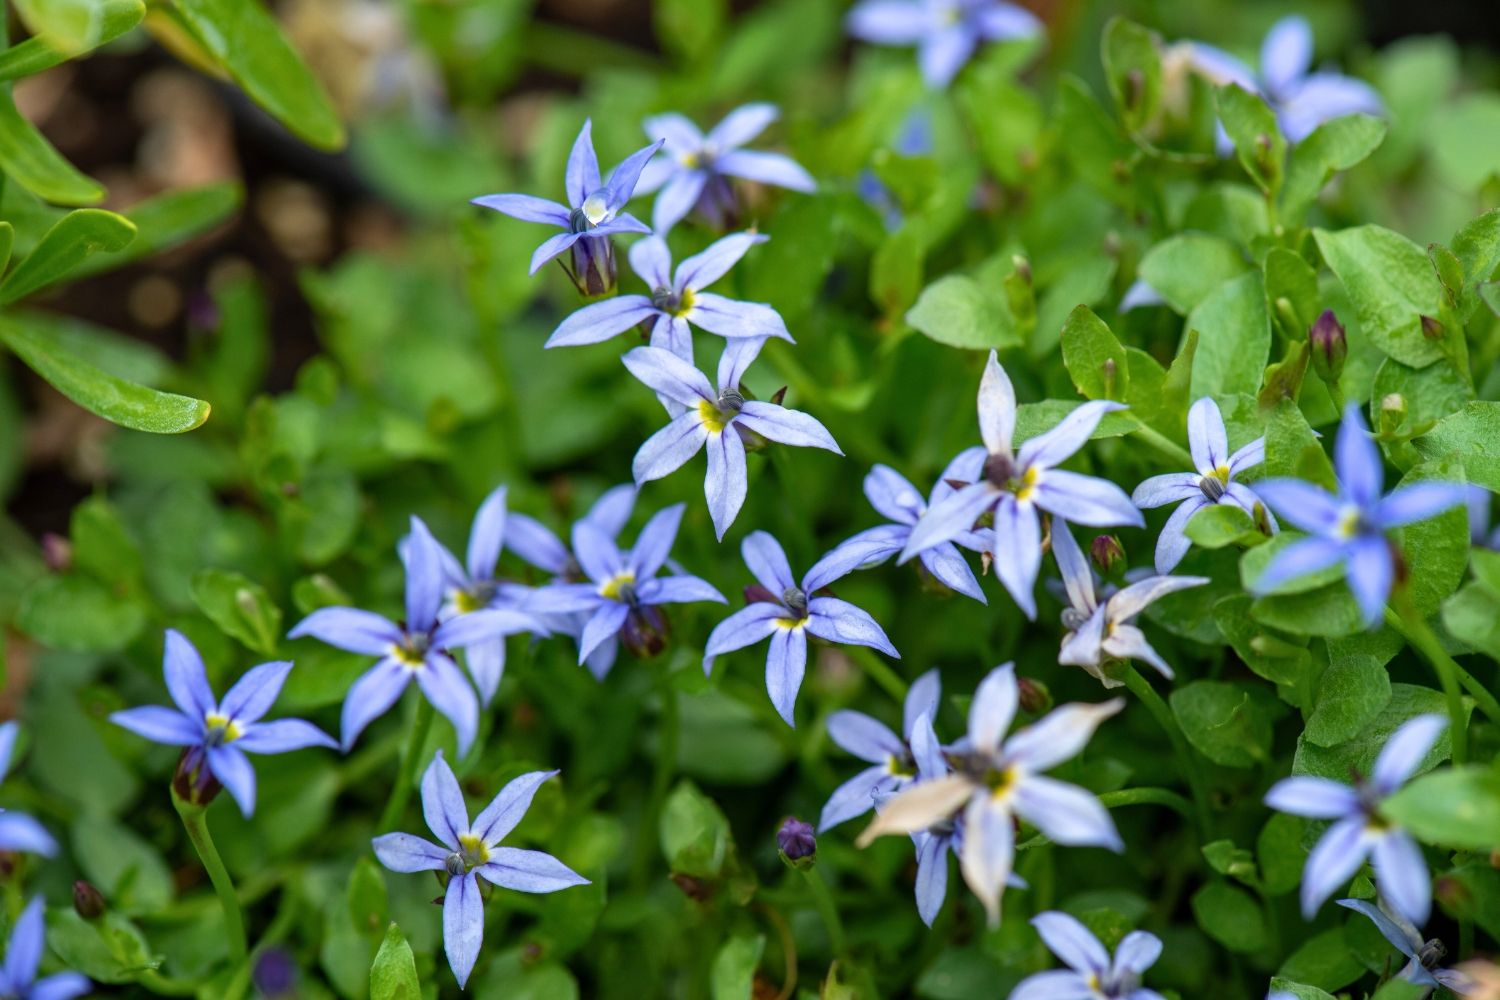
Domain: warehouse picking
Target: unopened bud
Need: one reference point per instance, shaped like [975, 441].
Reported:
[193, 781]
[1107, 553]
[1033, 696]
[645, 632]
[797, 842]
[1431, 328]
[1110, 371]
[1392, 412]
[57, 552]
[275, 973]
[1329, 346]
[1022, 267]
[593, 266]
[87, 900]
[778, 396]
[1135, 87]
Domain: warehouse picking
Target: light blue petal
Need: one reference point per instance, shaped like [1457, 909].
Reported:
[1137, 952]
[349, 629]
[463, 926]
[599, 321]
[621, 183]
[1370, 573]
[605, 622]
[1357, 461]
[727, 480]
[371, 697]
[866, 738]
[526, 208]
[889, 22]
[1315, 798]
[451, 694]
[786, 661]
[1298, 559]
[854, 797]
[703, 269]
[443, 802]
[950, 517]
[678, 590]
[743, 628]
[730, 318]
[839, 621]
[742, 124]
[1418, 502]
[529, 871]
[509, 806]
[160, 724]
[1086, 500]
[932, 876]
[1402, 875]
[666, 373]
[1332, 862]
[424, 578]
[1055, 446]
[187, 681]
[1286, 54]
[19, 832]
[943, 53]
[253, 694]
[767, 562]
[1018, 551]
[582, 176]
[784, 426]
[654, 543]
[993, 708]
[948, 566]
[401, 852]
[1071, 942]
[234, 771]
[282, 736]
[767, 168]
[1066, 813]
[1404, 752]
[676, 199]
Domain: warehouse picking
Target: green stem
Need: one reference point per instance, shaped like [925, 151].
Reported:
[1413, 627]
[203, 842]
[1165, 445]
[667, 729]
[405, 770]
[162, 986]
[1149, 796]
[1481, 694]
[823, 900]
[879, 671]
[1186, 756]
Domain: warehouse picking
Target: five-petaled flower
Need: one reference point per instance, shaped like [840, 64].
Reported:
[786, 611]
[1350, 528]
[892, 765]
[1100, 630]
[594, 215]
[19, 832]
[946, 32]
[718, 420]
[23, 954]
[466, 852]
[421, 648]
[623, 591]
[1213, 483]
[1091, 973]
[1423, 956]
[676, 301]
[218, 734]
[694, 169]
[893, 496]
[1014, 485]
[996, 780]
[1359, 830]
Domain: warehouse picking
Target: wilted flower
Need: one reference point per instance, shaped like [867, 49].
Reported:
[893, 768]
[468, 852]
[694, 169]
[19, 832]
[945, 32]
[787, 611]
[622, 584]
[1213, 483]
[995, 780]
[1015, 485]
[23, 954]
[1101, 630]
[717, 420]
[1092, 974]
[676, 301]
[1359, 830]
[1350, 528]
[594, 215]
[1423, 966]
[218, 734]
[421, 648]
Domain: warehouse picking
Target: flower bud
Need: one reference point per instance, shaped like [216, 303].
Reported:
[1329, 346]
[593, 266]
[1107, 553]
[797, 843]
[275, 973]
[87, 900]
[645, 632]
[1431, 328]
[193, 781]
[1034, 696]
[1392, 412]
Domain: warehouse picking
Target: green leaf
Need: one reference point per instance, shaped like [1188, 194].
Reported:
[1431, 393]
[114, 399]
[1292, 291]
[1351, 693]
[1359, 753]
[1132, 67]
[76, 236]
[367, 897]
[1230, 916]
[393, 974]
[1292, 450]
[1281, 854]
[1272, 656]
[1456, 807]
[1472, 437]
[244, 36]
[127, 869]
[1463, 139]
[733, 974]
[109, 950]
[1298, 990]
[102, 545]
[28, 158]
[1230, 724]
[690, 29]
[1477, 247]
[1400, 989]
[1335, 145]
[1094, 357]
[72, 27]
[1257, 139]
[694, 833]
[240, 607]
[77, 613]
[1187, 268]
[1034, 418]
[1472, 616]
[1436, 548]
[1324, 960]
[115, 17]
[1234, 338]
[167, 220]
[1392, 284]
[955, 311]
[1221, 525]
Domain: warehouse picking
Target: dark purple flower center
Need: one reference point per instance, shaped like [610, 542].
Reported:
[1073, 619]
[1212, 487]
[1000, 470]
[578, 221]
[795, 600]
[731, 401]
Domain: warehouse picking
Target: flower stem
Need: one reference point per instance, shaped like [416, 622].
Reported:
[1414, 629]
[1186, 756]
[879, 671]
[667, 729]
[203, 842]
[1148, 796]
[823, 900]
[1164, 444]
[421, 723]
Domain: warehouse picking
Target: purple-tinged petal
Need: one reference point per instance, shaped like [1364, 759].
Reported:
[532, 541]
[893, 496]
[1207, 439]
[1173, 543]
[605, 622]
[864, 737]
[1333, 862]
[160, 724]
[1409, 504]
[529, 871]
[743, 628]
[676, 131]
[602, 659]
[701, 270]
[997, 408]
[1139, 295]
[1083, 646]
[19, 832]
[600, 321]
[282, 736]
[932, 875]
[950, 517]
[966, 467]
[443, 802]
[1086, 500]
[1059, 984]
[1401, 872]
[620, 225]
[1066, 814]
[1357, 461]
[610, 512]
[741, 125]
[564, 598]
[233, 770]
[1126, 642]
[730, 318]
[582, 176]
[1055, 446]
[921, 699]
[786, 661]
[187, 681]
[889, 22]
[1220, 67]
[1370, 571]
[1078, 578]
[738, 355]
[854, 797]
[1315, 798]
[596, 551]
[839, 621]
[1248, 457]
[654, 543]
[1405, 939]
[463, 925]
[678, 590]
[526, 208]
[727, 480]
[865, 549]
[424, 577]
[1308, 555]
[1137, 952]
[670, 448]
[1404, 752]
[370, 697]
[1322, 97]
[1133, 599]
[943, 53]
[775, 169]
[253, 694]
[8, 733]
[948, 566]
[24, 952]
[451, 694]
[403, 853]
[1060, 735]
[1158, 491]
[1071, 942]
[993, 708]
[677, 198]
[925, 749]
[487, 536]
[60, 986]
[621, 183]
[652, 261]
[767, 562]
[509, 806]
[486, 663]
[998, 21]
[349, 629]
[1018, 551]
[669, 375]
[1286, 54]
[988, 854]
[791, 427]
[554, 246]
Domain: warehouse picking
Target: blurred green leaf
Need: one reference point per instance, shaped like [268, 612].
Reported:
[41, 51]
[393, 975]
[30, 160]
[954, 310]
[167, 220]
[76, 237]
[1257, 138]
[1335, 145]
[1132, 67]
[1392, 285]
[733, 975]
[1456, 807]
[1094, 357]
[240, 607]
[1228, 723]
[1231, 916]
[1187, 268]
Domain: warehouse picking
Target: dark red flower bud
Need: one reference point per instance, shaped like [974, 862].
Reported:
[87, 900]
[1107, 553]
[1328, 346]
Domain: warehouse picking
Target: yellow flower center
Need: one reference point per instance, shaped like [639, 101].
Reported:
[1348, 523]
[789, 624]
[1028, 483]
[615, 586]
[1001, 783]
[475, 853]
[220, 729]
[714, 419]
